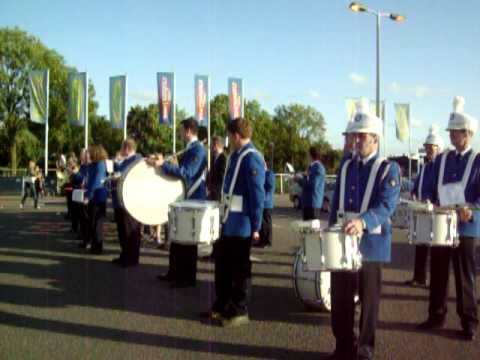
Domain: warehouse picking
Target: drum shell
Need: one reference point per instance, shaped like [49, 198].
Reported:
[194, 222]
[401, 216]
[333, 250]
[78, 195]
[438, 228]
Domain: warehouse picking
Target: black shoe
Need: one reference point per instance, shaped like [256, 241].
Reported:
[182, 284]
[82, 245]
[164, 277]
[469, 334]
[431, 325]
[117, 261]
[96, 251]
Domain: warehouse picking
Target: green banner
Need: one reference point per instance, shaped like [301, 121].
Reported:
[402, 120]
[77, 97]
[38, 84]
[118, 101]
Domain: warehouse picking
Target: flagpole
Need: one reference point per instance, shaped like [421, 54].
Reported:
[208, 124]
[409, 148]
[125, 110]
[86, 110]
[46, 125]
[174, 116]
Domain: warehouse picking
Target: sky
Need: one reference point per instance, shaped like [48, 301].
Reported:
[310, 52]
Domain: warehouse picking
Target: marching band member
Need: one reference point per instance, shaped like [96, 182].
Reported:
[433, 145]
[182, 270]
[243, 198]
[457, 184]
[313, 186]
[366, 193]
[266, 229]
[96, 197]
[217, 170]
[129, 229]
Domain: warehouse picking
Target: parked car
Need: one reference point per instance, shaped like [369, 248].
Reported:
[295, 192]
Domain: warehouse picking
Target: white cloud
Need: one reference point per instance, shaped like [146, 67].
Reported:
[421, 91]
[314, 94]
[394, 87]
[142, 97]
[357, 78]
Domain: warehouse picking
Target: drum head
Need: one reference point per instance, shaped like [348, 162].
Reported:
[146, 192]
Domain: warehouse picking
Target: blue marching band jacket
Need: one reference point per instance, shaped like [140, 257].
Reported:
[313, 186]
[462, 171]
[375, 212]
[191, 169]
[95, 189]
[423, 185]
[243, 193]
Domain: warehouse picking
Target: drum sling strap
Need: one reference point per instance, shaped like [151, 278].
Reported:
[228, 201]
[466, 174]
[420, 183]
[195, 185]
[368, 190]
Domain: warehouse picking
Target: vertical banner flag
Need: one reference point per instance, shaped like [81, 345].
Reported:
[38, 84]
[166, 97]
[77, 97]
[402, 121]
[118, 101]
[235, 97]
[202, 99]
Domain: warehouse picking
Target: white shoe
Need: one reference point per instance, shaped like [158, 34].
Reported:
[21, 206]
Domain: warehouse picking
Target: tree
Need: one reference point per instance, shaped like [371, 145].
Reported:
[19, 54]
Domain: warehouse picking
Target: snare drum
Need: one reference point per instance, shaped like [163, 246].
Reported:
[437, 228]
[400, 218]
[311, 288]
[78, 195]
[194, 222]
[333, 251]
[145, 192]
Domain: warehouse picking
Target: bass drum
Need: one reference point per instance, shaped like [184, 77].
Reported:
[145, 192]
[311, 288]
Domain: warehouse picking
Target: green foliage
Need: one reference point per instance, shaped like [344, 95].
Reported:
[286, 134]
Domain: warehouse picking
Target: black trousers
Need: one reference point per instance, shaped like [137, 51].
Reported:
[266, 229]
[97, 213]
[420, 269]
[343, 289]
[233, 273]
[463, 258]
[84, 223]
[309, 213]
[30, 190]
[129, 236]
[183, 263]
[76, 216]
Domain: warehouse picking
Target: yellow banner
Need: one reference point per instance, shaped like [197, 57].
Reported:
[402, 121]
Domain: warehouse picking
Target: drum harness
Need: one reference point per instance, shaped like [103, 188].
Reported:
[227, 198]
[341, 213]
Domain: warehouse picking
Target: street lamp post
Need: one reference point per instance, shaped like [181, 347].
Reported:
[357, 7]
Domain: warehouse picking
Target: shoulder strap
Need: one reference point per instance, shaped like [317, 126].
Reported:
[420, 182]
[343, 176]
[371, 182]
[441, 173]
[234, 181]
[468, 169]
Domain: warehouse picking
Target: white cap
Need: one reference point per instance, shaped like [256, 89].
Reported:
[460, 120]
[433, 138]
[364, 121]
